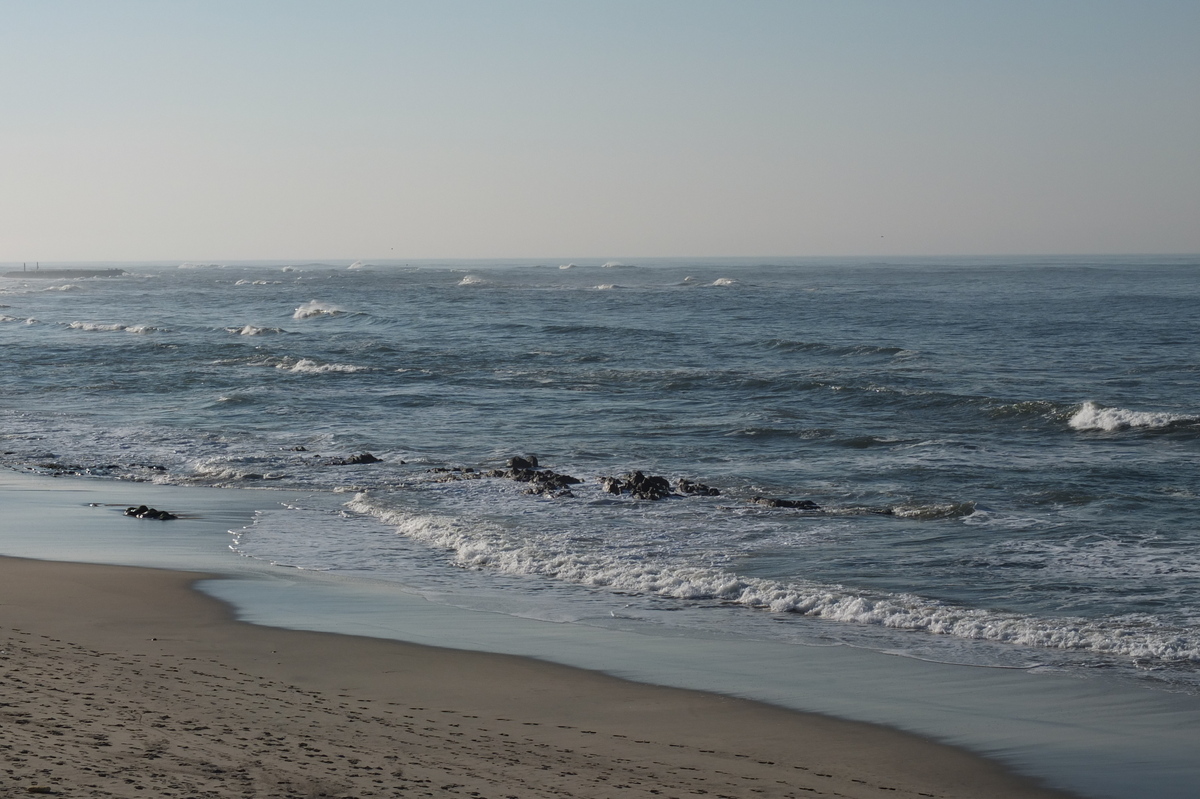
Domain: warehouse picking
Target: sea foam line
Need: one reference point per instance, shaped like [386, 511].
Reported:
[476, 545]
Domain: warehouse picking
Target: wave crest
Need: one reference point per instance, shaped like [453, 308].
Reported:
[477, 545]
[307, 366]
[317, 308]
[251, 330]
[1091, 416]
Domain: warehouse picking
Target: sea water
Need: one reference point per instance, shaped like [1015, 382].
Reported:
[1004, 452]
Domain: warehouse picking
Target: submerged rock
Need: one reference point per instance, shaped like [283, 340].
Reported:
[449, 474]
[353, 460]
[684, 486]
[800, 504]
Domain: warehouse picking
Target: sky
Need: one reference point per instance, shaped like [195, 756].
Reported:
[211, 130]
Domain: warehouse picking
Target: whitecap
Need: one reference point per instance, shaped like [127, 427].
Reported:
[310, 367]
[95, 327]
[471, 280]
[724, 281]
[476, 544]
[1091, 416]
[251, 330]
[940, 510]
[316, 308]
[566, 266]
[606, 287]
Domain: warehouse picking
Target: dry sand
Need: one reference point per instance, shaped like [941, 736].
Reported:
[124, 682]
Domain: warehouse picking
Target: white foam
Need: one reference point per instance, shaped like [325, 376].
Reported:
[1091, 416]
[308, 366]
[472, 280]
[946, 510]
[606, 287]
[615, 265]
[355, 265]
[724, 281]
[478, 544]
[251, 330]
[95, 327]
[221, 470]
[566, 266]
[316, 308]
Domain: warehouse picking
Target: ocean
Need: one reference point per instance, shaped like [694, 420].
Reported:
[983, 461]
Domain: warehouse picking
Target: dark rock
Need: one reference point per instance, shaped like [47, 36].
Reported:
[684, 486]
[353, 460]
[800, 504]
[541, 481]
[450, 474]
[528, 462]
[143, 512]
[641, 486]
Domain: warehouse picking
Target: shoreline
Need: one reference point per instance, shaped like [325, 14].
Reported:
[197, 701]
[1094, 737]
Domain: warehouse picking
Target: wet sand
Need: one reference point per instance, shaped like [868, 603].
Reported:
[118, 681]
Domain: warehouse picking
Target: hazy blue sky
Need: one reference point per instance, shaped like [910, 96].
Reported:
[223, 130]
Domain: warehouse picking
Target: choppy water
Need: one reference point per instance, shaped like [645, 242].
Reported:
[1004, 452]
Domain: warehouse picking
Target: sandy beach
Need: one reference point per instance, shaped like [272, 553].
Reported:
[118, 681]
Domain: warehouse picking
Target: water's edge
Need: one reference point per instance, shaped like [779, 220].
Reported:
[1099, 736]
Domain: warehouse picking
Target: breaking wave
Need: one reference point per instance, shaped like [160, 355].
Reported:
[474, 544]
[307, 366]
[317, 308]
[251, 330]
[95, 327]
[1091, 416]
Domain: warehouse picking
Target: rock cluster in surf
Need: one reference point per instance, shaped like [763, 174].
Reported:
[144, 512]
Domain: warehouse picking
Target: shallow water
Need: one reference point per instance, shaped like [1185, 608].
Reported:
[1004, 451]
[1102, 737]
